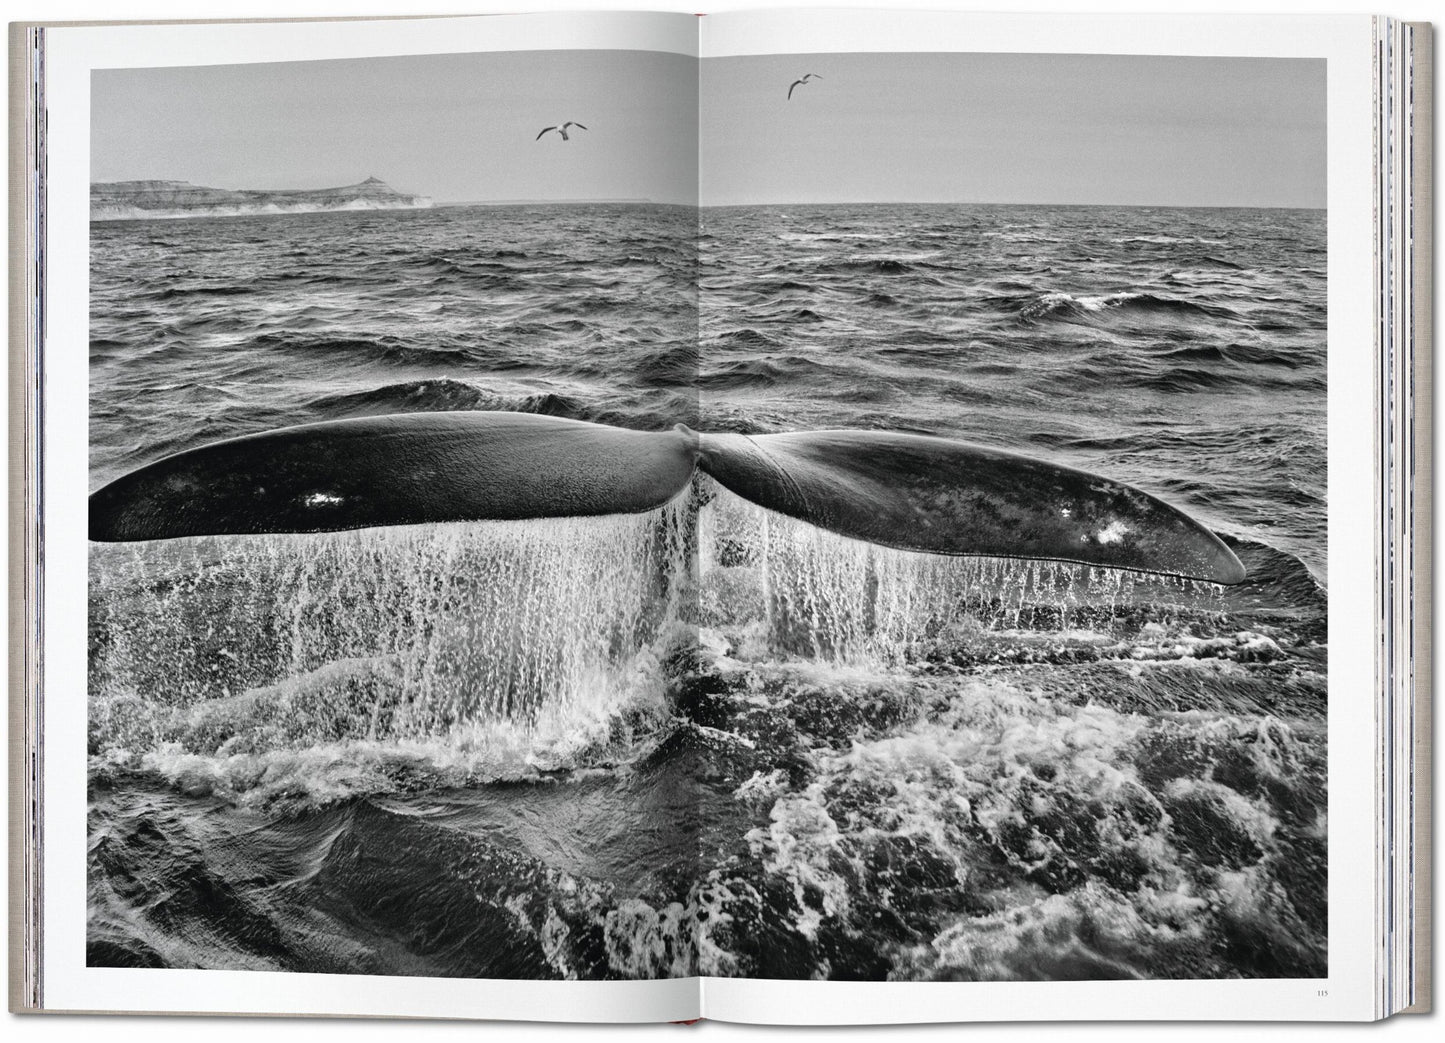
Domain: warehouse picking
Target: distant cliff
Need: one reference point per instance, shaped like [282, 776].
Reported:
[127, 200]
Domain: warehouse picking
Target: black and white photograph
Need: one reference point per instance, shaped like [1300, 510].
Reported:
[605, 514]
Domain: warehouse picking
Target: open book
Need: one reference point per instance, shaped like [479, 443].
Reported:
[772, 517]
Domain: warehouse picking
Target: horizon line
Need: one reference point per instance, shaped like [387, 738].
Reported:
[881, 202]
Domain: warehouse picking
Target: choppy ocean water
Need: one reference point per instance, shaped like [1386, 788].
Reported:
[710, 739]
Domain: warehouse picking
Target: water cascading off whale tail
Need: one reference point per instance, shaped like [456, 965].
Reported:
[912, 492]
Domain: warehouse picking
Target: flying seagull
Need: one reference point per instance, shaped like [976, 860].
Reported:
[561, 130]
[806, 77]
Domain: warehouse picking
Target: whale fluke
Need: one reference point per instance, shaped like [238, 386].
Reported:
[924, 493]
[396, 470]
[912, 492]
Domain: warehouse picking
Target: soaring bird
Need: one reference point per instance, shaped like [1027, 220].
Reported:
[561, 130]
[806, 77]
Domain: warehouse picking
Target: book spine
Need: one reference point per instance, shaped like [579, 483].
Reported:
[27, 318]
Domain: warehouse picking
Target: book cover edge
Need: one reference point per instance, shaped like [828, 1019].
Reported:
[20, 930]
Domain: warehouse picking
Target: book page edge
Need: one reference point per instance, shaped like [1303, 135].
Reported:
[1422, 172]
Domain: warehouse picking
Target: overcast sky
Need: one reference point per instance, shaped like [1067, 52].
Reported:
[453, 127]
[876, 127]
[1012, 128]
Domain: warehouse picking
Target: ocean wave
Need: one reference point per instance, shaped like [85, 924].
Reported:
[763, 372]
[1183, 379]
[203, 290]
[933, 826]
[480, 264]
[833, 237]
[746, 337]
[782, 286]
[670, 368]
[1164, 240]
[442, 395]
[1060, 305]
[374, 887]
[1277, 583]
[407, 397]
[879, 266]
[242, 751]
[1233, 353]
[358, 349]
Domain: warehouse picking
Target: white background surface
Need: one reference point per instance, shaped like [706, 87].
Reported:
[65, 1029]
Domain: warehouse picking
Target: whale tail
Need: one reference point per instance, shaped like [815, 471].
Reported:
[924, 493]
[912, 492]
[396, 470]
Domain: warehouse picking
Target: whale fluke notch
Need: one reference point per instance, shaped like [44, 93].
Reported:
[912, 492]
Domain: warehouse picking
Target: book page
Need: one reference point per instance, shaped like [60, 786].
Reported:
[316, 743]
[988, 786]
[972, 784]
